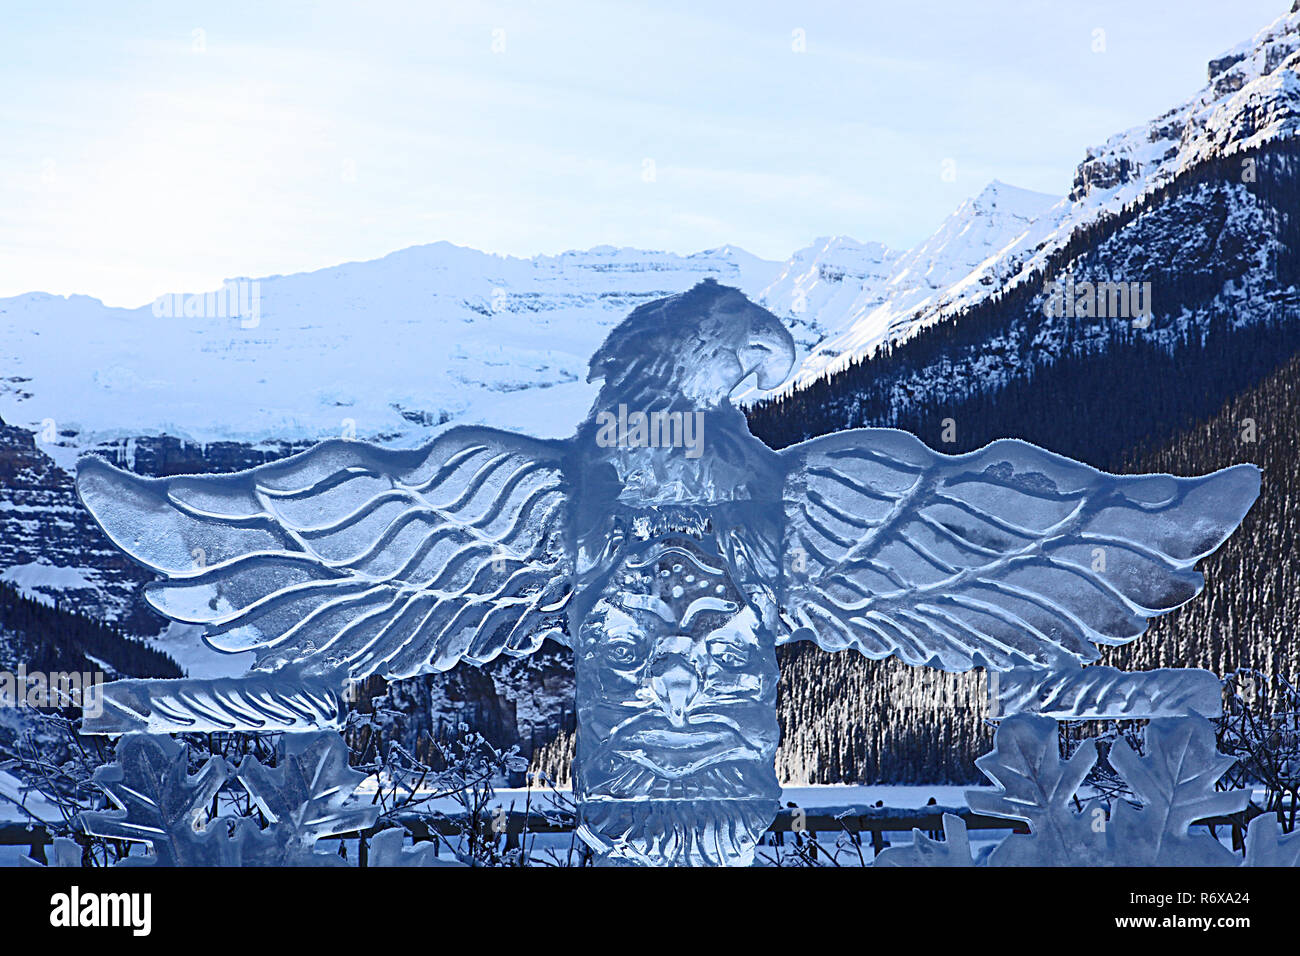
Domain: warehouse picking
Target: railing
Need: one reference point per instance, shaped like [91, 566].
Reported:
[854, 820]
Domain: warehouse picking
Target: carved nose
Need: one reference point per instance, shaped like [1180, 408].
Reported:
[675, 683]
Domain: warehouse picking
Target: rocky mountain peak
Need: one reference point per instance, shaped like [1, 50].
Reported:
[1250, 97]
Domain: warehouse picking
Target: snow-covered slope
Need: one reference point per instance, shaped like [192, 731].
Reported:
[947, 267]
[821, 284]
[1252, 97]
[388, 348]
[393, 348]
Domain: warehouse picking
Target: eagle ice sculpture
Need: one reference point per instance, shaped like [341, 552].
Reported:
[673, 552]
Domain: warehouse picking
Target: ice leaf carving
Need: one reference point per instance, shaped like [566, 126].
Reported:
[306, 797]
[1175, 783]
[952, 850]
[1265, 846]
[159, 802]
[1037, 786]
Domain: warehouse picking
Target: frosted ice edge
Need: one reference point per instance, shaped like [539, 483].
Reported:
[1100, 693]
[287, 700]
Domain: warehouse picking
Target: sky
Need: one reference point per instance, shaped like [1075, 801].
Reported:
[148, 148]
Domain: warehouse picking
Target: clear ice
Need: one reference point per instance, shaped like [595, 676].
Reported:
[673, 551]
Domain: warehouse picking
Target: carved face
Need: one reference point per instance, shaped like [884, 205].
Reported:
[676, 697]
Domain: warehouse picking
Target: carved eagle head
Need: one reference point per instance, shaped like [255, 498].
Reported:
[698, 345]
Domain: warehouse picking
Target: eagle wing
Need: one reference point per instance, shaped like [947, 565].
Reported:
[388, 562]
[1003, 557]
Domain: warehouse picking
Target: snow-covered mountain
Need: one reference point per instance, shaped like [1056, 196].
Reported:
[822, 283]
[1251, 98]
[393, 348]
[382, 349]
[859, 295]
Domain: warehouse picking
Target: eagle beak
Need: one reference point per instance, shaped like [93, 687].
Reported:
[770, 353]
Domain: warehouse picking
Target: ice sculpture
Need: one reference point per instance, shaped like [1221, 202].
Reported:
[306, 797]
[1173, 786]
[672, 551]
[953, 850]
[1104, 693]
[1175, 782]
[288, 699]
[387, 849]
[676, 697]
[1266, 847]
[159, 802]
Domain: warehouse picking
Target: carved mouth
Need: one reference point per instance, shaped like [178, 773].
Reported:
[677, 752]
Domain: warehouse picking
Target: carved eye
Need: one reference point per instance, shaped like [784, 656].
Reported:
[621, 655]
[729, 655]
